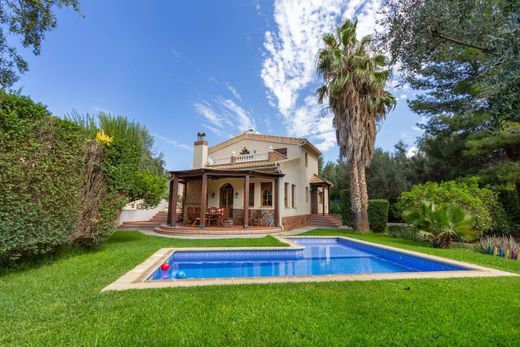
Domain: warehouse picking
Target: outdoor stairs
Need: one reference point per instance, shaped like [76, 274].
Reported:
[159, 218]
[328, 220]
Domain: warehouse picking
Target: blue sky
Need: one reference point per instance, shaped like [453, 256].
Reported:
[215, 66]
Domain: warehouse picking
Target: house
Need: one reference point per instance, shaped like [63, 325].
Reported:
[254, 179]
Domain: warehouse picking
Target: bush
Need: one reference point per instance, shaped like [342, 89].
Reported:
[481, 203]
[378, 214]
[404, 231]
[345, 207]
[41, 175]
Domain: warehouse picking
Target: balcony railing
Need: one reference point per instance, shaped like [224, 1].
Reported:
[241, 158]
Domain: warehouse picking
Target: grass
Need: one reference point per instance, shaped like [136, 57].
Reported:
[58, 302]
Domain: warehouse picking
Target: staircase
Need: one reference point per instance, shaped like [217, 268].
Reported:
[159, 218]
[327, 221]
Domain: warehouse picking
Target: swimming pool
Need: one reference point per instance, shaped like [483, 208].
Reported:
[311, 257]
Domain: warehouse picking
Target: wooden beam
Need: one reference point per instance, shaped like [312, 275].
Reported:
[276, 203]
[246, 201]
[170, 202]
[173, 199]
[203, 200]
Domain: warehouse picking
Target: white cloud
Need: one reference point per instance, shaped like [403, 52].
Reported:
[208, 113]
[173, 142]
[101, 110]
[288, 70]
[233, 91]
[244, 118]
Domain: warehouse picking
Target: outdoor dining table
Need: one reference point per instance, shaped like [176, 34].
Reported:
[213, 216]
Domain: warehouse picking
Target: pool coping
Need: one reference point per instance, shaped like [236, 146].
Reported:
[137, 277]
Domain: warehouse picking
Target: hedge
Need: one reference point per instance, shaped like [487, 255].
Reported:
[41, 175]
[378, 214]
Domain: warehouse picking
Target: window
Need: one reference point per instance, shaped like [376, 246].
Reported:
[293, 193]
[306, 159]
[306, 194]
[320, 197]
[251, 195]
[267, 194]
[282, 151]
[286, 195]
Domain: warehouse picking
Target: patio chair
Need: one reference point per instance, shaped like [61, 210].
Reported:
[212, 215]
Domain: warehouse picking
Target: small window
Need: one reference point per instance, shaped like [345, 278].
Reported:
[320, 197]
[293, 193]
[306, 159]
[282, 151]
[251, 194]
[267, 194]
[286, 195]
[306, 194]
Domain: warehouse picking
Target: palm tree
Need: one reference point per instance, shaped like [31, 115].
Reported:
[441, 225]
[354, 84]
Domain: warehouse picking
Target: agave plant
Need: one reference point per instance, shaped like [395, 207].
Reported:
[441, 224]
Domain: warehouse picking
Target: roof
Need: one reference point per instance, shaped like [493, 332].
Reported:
[315, 179]
[267, 138]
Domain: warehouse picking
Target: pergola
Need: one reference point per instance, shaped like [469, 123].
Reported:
[203, 175]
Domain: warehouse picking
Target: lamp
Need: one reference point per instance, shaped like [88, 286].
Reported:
[213, 195]
[236, 194]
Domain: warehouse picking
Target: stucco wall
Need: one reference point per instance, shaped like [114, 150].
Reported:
[252, 146]
[132, 215]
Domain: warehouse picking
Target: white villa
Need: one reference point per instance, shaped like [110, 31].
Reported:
[249, 181]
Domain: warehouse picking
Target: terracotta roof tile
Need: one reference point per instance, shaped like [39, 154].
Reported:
[317, 179]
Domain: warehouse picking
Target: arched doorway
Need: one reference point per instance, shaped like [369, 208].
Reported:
[226, 199]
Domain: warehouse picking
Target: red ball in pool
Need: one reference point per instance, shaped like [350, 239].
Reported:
[165, 266]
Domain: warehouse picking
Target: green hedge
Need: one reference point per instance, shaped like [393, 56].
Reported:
[345, 207]
[41, 175]
[378, 214]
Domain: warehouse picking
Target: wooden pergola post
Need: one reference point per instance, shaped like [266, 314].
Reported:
[203, 200]
[172, 201]
[323, 200]
[276, 203]
[246, 201]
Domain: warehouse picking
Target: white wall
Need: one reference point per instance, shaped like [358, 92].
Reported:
[252, 146]
[131, 215]
[238, 186]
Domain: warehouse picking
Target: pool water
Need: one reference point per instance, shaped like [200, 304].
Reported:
[319, 256]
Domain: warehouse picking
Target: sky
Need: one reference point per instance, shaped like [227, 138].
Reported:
[219, 67]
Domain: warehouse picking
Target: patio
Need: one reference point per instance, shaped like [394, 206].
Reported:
[219, 202]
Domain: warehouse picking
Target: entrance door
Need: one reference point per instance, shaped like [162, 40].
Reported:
[314, 200]
[226, 199]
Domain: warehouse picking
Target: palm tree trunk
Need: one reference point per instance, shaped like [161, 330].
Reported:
[355, 198]
[363, 193]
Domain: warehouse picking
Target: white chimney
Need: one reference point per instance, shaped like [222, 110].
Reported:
[200, 151]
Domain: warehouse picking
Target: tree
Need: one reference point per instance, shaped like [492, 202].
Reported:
[465, 55]
[354, 84]
[30, 20]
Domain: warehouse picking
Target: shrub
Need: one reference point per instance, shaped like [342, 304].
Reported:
[41, 175]
[345, 207]
[408, 232]
[441, 224]
[378, 214]
[481, 203]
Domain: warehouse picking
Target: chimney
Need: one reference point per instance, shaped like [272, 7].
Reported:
[200, 151]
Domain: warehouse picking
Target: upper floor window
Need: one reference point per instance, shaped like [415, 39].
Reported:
[282, 151]
[306, 159]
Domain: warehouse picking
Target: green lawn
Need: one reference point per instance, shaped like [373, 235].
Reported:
[59, 302]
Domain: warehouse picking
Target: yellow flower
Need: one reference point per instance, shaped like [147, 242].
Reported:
[103, 138]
